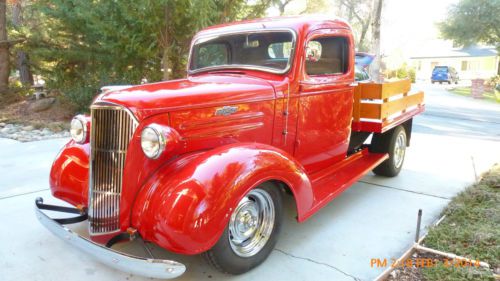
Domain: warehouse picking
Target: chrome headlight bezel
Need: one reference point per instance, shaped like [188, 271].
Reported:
[158, 133]
[79, 134]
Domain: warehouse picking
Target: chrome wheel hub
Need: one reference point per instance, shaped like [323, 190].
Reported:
[399, 150]
[251, 223]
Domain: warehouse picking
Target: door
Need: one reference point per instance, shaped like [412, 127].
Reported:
[325, 99]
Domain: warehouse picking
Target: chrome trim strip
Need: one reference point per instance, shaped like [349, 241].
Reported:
[110, 105]
[153, 268]
[243, 66]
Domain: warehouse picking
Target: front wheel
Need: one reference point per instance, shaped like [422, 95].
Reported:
[252, 231]
[394, 143]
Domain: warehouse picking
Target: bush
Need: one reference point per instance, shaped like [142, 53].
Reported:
[493, 81]
[80, 97]
[403, 72]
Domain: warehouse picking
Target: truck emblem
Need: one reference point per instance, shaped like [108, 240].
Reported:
[226, 110]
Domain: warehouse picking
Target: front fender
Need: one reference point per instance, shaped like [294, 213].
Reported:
[184, 207]
[69, 174]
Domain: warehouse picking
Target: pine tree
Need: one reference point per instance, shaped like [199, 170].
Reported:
[81, 45]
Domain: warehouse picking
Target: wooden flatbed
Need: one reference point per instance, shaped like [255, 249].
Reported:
[379, 107]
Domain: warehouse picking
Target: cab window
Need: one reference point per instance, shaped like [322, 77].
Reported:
[212, 55]
[327, 56]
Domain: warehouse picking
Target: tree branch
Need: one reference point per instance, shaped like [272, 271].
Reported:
[351, 7]
[12, 42]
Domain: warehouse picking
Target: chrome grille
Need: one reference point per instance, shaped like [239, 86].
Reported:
[112, 128]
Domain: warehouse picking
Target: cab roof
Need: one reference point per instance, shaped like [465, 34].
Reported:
[301, 24]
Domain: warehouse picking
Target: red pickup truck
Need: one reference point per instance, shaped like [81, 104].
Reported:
[270, 108]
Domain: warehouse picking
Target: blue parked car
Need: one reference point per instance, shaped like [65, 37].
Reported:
[444, 74]
[361, 64]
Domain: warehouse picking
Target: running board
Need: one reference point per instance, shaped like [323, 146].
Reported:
[332, 181]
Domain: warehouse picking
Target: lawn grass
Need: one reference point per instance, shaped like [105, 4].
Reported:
[471, 229]
[466, 92]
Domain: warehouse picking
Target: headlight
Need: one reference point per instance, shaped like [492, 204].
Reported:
[78, 129]
[153, 141]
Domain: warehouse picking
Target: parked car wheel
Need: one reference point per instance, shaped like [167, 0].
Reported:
[252, 231]
[392, 142]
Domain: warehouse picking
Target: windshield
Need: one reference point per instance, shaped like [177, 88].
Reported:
[265, 50]
[440, 69]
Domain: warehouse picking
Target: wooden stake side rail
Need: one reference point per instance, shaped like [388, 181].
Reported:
[386, 104]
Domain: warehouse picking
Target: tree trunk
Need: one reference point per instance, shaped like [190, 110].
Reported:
[282, 9]
[4, 50]
[166, 46]
[362, 36]
[23, 64]
[375, 66]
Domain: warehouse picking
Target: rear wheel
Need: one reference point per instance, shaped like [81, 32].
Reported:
[252, 231]
[392, 142]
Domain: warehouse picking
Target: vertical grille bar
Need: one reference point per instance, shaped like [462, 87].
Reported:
[112, 129]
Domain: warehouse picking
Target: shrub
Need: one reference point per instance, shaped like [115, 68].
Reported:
[493, 81]
[402, 72]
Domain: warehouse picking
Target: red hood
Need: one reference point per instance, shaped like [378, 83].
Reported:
[200, 91]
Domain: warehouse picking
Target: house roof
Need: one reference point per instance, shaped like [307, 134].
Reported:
[473, 51]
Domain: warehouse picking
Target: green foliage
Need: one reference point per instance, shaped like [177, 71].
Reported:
[473, 21]
[442, 272]
[470, 229]
[493, 81]
[403, 72]
[79, 46]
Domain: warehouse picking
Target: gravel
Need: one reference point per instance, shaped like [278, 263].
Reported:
[29, 133]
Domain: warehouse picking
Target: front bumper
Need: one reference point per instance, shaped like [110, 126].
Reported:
[154, 268]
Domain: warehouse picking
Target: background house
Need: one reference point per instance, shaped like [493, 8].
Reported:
[471, 62]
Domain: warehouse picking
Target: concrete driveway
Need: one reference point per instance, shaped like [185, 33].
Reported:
[453, 142]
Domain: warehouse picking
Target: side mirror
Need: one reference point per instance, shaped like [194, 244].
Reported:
[312, 55]
[313, 51]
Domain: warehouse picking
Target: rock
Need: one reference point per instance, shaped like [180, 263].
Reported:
[36, 132]
[2, 125]
[46, 132]
[41, 105]
[5, 130]
[9, 126]
[28, 128]
[66, 134]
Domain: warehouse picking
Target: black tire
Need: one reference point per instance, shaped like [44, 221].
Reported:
[386, 143]
[225, 259]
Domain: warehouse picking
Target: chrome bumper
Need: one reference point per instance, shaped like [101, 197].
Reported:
[154, 268]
